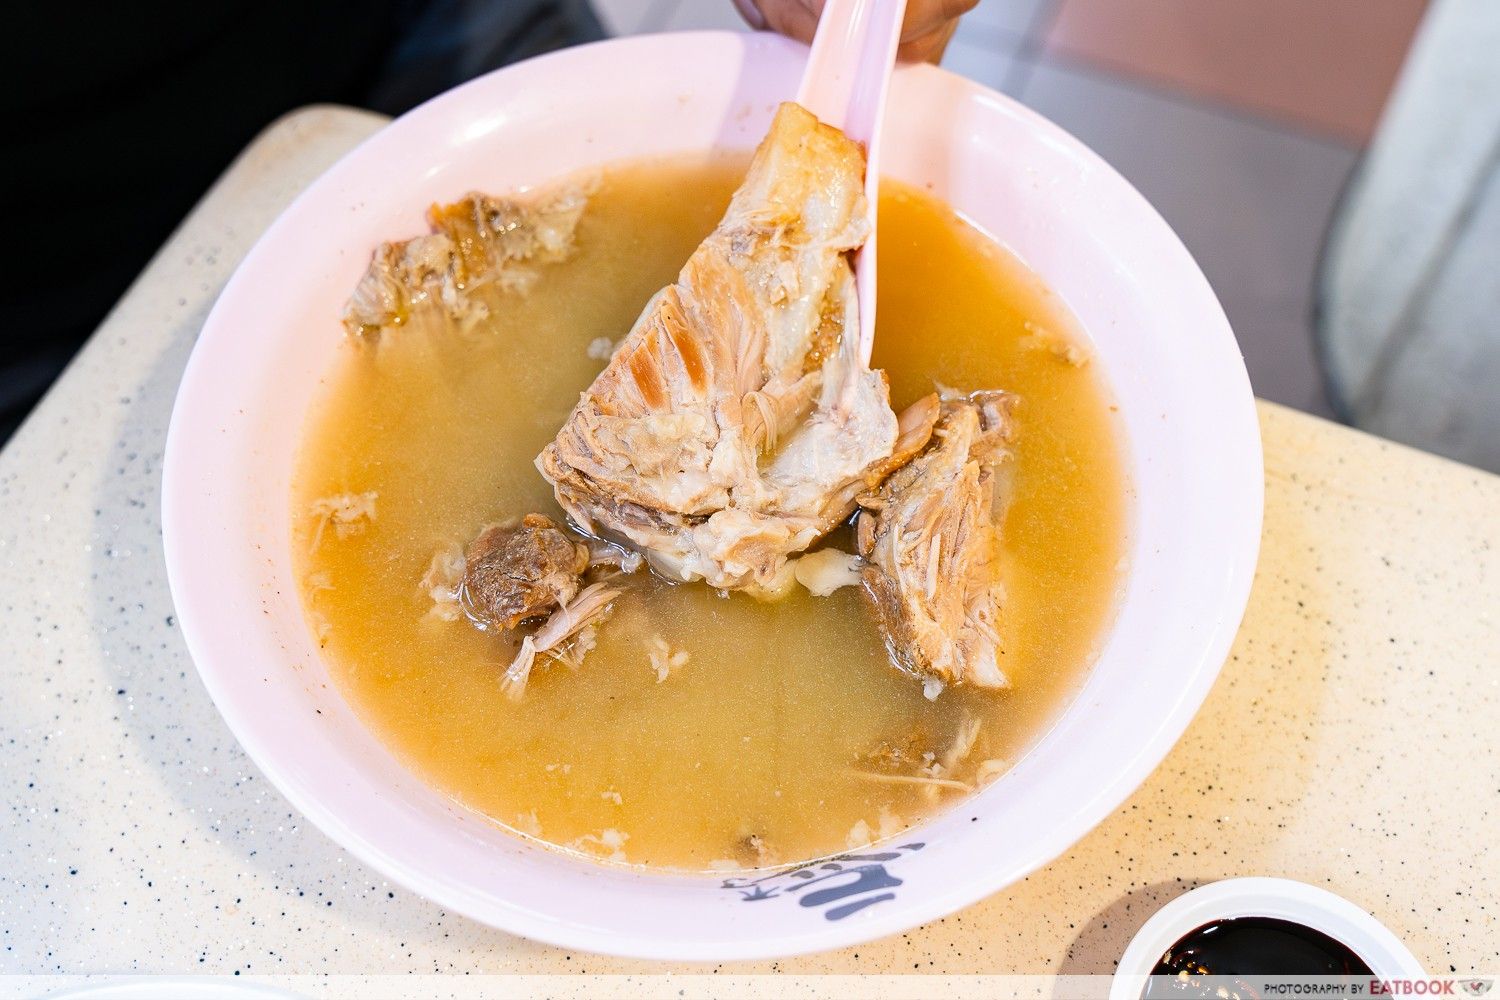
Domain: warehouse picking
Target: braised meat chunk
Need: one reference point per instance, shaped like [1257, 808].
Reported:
[522, 570]
[515, 573]
[930, 539]
[477, 241]
[737, 421]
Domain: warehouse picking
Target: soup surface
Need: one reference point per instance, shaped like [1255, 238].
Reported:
[786, 734]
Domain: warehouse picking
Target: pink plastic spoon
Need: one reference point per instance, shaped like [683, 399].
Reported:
[844, 84]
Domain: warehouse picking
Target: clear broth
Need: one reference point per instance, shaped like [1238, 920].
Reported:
[753, 752]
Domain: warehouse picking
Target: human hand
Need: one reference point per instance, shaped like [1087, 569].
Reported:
[924, 35]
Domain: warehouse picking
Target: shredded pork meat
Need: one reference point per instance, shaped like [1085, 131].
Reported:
[930, 540]
[347, 513]
[736, 423]
[515, 573]
[574, 621]
[476, 241]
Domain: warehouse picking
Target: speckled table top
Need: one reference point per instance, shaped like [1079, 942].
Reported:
[1351, 740]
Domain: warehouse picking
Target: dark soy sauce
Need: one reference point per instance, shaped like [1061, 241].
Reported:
[1249, 946]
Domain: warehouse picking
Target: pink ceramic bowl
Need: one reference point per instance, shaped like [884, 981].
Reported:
[1164, 344]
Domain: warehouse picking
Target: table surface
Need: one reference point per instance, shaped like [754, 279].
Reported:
[1350, 742]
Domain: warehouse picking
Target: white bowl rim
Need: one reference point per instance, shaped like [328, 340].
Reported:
[1213, 646]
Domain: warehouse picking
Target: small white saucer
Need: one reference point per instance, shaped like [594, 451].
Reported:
[1279, 898]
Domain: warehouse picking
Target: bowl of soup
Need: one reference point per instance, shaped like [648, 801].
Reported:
[721, 776]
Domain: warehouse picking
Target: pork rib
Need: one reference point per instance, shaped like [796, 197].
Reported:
[930, 539]
[477, 241]
[736, 423]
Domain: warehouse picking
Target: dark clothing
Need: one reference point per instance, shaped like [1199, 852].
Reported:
[119, 116]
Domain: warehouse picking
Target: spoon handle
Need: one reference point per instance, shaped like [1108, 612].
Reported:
[845, 82]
